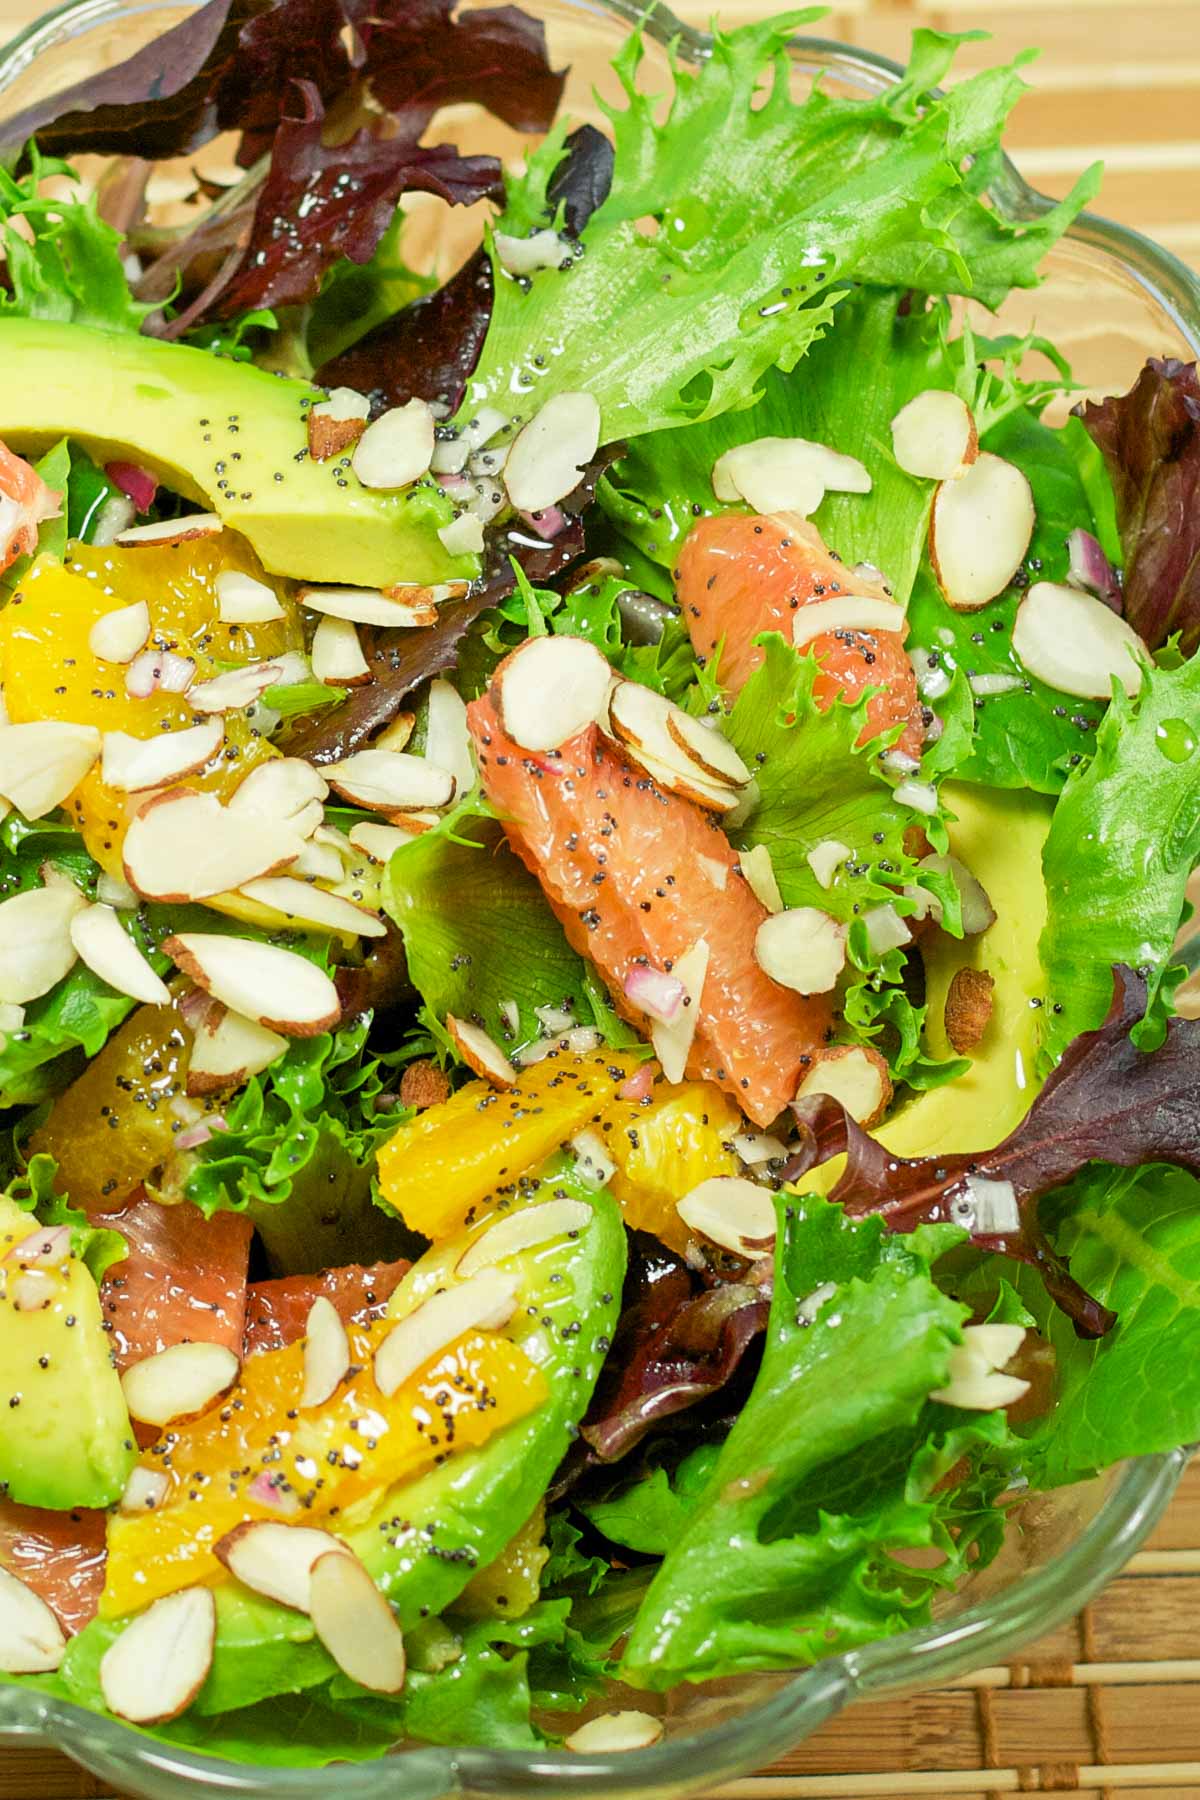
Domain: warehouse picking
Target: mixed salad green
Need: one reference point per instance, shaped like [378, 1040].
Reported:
[593, 867]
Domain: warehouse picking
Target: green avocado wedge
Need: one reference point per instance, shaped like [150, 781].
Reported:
[229, 436]
[65, 1438]
[425, 1539]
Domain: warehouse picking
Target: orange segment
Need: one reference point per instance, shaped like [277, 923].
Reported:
[224, 1466]
[666, 1146]
[441, 1165]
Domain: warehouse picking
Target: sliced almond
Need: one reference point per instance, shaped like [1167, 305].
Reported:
[715, 872]
[975, 1382]
[31, 1638]
[170, 531]
[380, 842]
[397, 734]
[802, 948]
[482, 1055]
[179, 1382]
[826, 858]
[640, 721]
[673, 1042]
[44, 761]
[228, 1049]
[285, 788]
[464, 535]
[397, 449]
[1076, 644]
[979, 531]
[845, 612]
[757, 1147]
[112, 891]
[337, 423]
[132, 764]
[934, 436]
[732, 1211]
[145, 1491]
[886, 929]
[310, 905]
[777, 475]
[35, 941]
[276, 1560]
[611, 1732]
[521, 1231]
[549, 456]
[447, 739]
[322, 862]
[187, 846]
[543, 249]
[855, 1074]
[116, 637]
[484, 1303]
[369, 606]
[102, 942]
[337, 656]
[672, 778]
[235, 690]
[593, 1165]
[550, 690]
[759, 872]
[241, 600]
[158, 1665]
[355, 1623]
[274, 987]
[707, 747]
[326, 1353]
[391, 781]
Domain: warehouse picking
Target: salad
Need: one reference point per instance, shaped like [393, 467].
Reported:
[593, 860]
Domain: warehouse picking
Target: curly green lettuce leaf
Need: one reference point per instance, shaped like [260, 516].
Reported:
[33, 1190]
[1123, 841]
[68, 267]
[481, 939]
[761, 208]
[790, 1553]
[648, 1515]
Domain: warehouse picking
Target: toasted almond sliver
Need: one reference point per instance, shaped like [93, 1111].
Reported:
[801, 948]
[145, 1490]
[480, 1052]
[979, 530]
[337, 423]
[356, 1624]
[368, 606]
[187, 846]
[673, 1042]
[786, 475]
[132, 764]
[391, 781]
[826, 858]
[241, 600]
[855, 1074]
[672, 779]
[397, 448]
[274, 987]
[380, 842]
[1076, 644]
[549, 456]
[732, 1211]
[337, 656]
[31, 1638]
[284, 788]
[314, 906]
[447, 739]
[484, 1303]
[934, 436]
[276, 1560]
[326, 1353]
[551, 689]
[158, 1665]
[117, 636]
[43, 761]
[179, 1382]
[170, 531]
[463, 536]
[35, 941]
[759, 871]
[321, 861]
[611, 1732]
[845, 612]
[707, 747]
[229, 1050]
[102, 942]
[396, 735]
[236, 689]
[640, 720]
[521, 1231]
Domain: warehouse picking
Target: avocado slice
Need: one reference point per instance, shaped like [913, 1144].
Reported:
[65, 1438]
[426, 1538]
[229, 436]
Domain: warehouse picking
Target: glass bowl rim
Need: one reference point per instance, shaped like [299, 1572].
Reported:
[1028, 1607]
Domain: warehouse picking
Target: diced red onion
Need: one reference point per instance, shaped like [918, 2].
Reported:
[1091, 570]
[140, 485]
[456, 484]
[200, 1132]
[159, 669]
[548, 523]
[660, 995]
[639, 1085]
[265, 1492]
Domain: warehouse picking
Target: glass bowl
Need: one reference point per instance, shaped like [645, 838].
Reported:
[1110, 298]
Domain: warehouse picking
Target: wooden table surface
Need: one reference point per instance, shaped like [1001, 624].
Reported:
[1110, 1706]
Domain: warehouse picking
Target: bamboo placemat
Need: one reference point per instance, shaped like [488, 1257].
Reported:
[1109, 1706]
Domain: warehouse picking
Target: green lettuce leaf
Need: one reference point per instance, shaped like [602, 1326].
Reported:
[761, 210]
[789, 1554]
[1124, 838]
[98, 1248]
[72, 269]
[649, 1515]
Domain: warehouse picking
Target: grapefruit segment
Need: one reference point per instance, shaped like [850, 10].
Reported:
[60, 1555]
[277, 1311]
[740, 575]
[627, 869]
[25, 503]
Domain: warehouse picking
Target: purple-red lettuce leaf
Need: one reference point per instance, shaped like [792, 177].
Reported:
[1150, 441]
[1107, 1101]
[425, 54]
